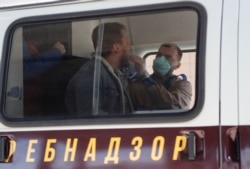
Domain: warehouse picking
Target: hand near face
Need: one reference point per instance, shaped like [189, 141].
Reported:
[59, 46]
[139, 64]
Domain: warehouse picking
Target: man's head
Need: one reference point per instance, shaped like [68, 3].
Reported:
[115, 44]
[172, 53]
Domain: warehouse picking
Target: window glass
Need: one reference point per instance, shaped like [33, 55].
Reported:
[95, 67]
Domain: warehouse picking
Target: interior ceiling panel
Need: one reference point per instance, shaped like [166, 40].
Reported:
[165, 27]
[144, 31]
[161, 27]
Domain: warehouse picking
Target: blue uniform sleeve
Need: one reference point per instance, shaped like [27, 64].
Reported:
[34, 66]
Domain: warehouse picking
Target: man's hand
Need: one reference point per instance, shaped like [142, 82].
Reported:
[59, 46]
[139, 64]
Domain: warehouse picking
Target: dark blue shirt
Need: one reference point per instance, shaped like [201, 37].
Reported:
[33, 66]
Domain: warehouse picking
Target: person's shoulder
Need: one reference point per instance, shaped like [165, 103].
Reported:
[181, 79]
[85, 72]
[183, 85]
[86, 67]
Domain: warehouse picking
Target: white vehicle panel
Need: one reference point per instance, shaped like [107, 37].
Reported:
[212, 56]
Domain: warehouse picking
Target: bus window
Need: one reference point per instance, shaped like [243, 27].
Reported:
[84, 67]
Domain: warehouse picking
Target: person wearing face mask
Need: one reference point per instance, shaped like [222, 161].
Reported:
[113, 95]
[162, 90]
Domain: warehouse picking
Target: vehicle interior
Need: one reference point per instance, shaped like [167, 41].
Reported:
[44, 94]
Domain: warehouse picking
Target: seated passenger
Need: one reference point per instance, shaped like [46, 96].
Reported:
[162, 90]
[113, 96]
[35, 62]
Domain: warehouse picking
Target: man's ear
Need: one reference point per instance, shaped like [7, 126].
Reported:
[116, 47]
[177, 66]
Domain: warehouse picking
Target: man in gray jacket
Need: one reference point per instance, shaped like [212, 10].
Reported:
[113, 96]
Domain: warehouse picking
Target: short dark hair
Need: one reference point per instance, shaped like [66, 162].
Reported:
[112, 34]
[179, 51]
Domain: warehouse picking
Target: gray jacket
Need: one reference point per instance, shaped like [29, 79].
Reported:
[113, 95]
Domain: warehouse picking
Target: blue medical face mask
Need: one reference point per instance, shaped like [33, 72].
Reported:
[161, 66]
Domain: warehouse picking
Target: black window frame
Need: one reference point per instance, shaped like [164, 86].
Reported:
[145, 118]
